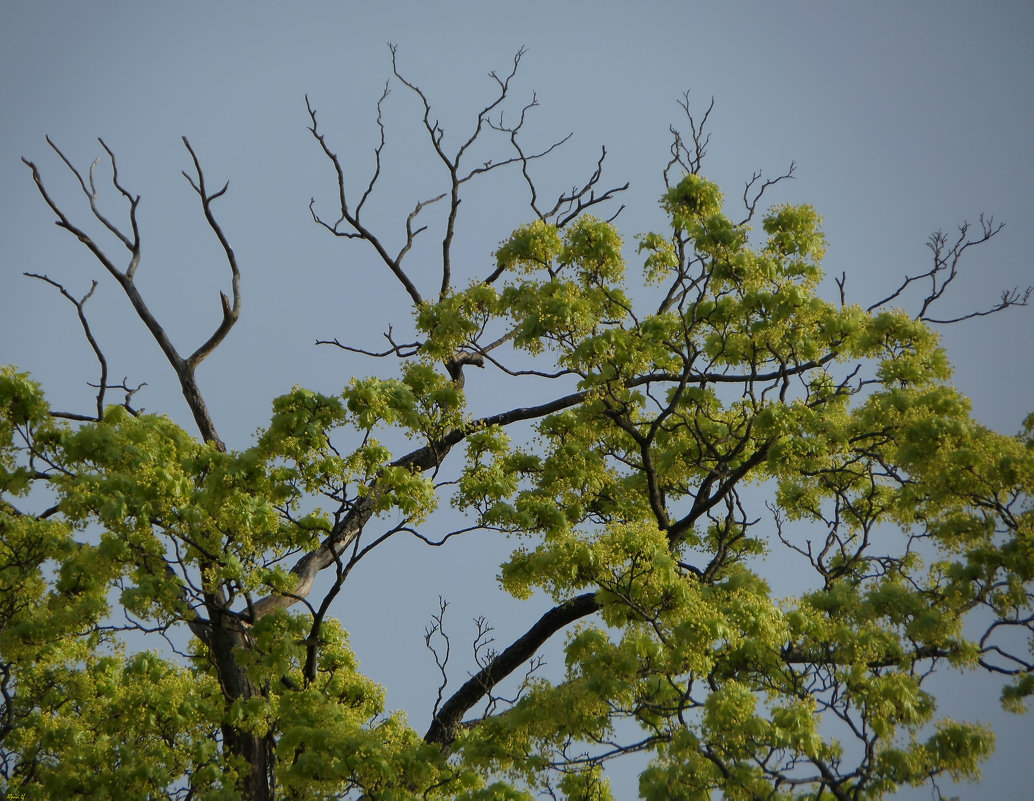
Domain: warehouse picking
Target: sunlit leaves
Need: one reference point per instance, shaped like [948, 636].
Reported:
[22, 407]
[568, 285]
[692, 200]
[594, 247]
[661, 257]
[423, 402]
[795, 231]
[455, 319]
[898, 518]
[120, 726]
[530, 248]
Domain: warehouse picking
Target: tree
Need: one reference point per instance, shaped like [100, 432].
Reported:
[686, 430]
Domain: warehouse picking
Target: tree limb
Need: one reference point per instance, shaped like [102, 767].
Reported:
[443, 727]
[184, 368]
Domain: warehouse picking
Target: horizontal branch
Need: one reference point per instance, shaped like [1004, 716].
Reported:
[431, 455]
[945, 270]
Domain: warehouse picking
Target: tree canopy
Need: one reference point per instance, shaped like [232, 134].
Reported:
[701, 404]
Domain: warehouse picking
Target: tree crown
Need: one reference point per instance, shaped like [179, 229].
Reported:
[687, 430]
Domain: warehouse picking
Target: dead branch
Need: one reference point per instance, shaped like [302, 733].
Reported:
[441, 658]
[577, 201]
[184, 368]
[402, 351]
[437, 135]
[353, 218]
[230, 312]
[750, 201]
[570, 204]
[102, 384]
[688, 157]
[945, 269]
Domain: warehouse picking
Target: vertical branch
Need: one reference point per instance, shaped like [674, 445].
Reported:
[689, 157]
[230, 312]
[441, 658]
[102, 384]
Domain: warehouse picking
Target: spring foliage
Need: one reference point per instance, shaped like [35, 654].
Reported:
[744, 419]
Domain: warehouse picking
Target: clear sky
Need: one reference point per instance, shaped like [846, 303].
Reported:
[903, 118]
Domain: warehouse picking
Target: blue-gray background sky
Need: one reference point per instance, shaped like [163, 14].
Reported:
[902, 118]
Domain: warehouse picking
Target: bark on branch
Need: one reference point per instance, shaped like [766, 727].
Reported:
[443, 727]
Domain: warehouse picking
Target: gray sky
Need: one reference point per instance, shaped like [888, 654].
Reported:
[902, 118]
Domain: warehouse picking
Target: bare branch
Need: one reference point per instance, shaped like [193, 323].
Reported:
[411, 235]
[438, 543]
[92, 194]
[441, 659]
[750, 201]
[841, 285]
[574, 203]
[452, 163]
[79, 304]
[448, 717]
[402, 351]
[376, 151]
[537, 373]
[230, 313]
[945, 269]
[130, 392]
[360, 231]
[184, 368]
[80, 234]
[1010, 297]
[689, 157]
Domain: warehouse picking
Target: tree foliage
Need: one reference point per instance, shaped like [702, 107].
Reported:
[701, 409]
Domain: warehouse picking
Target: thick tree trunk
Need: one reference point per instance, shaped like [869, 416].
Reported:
[255, 782]
[257, 778]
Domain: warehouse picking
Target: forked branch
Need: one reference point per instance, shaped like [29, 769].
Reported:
[945, 269]
[352, 217]
[349, 223]
[184, 368]
[753, 191]
[689, 156]
[231, 311]
[79, 304]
